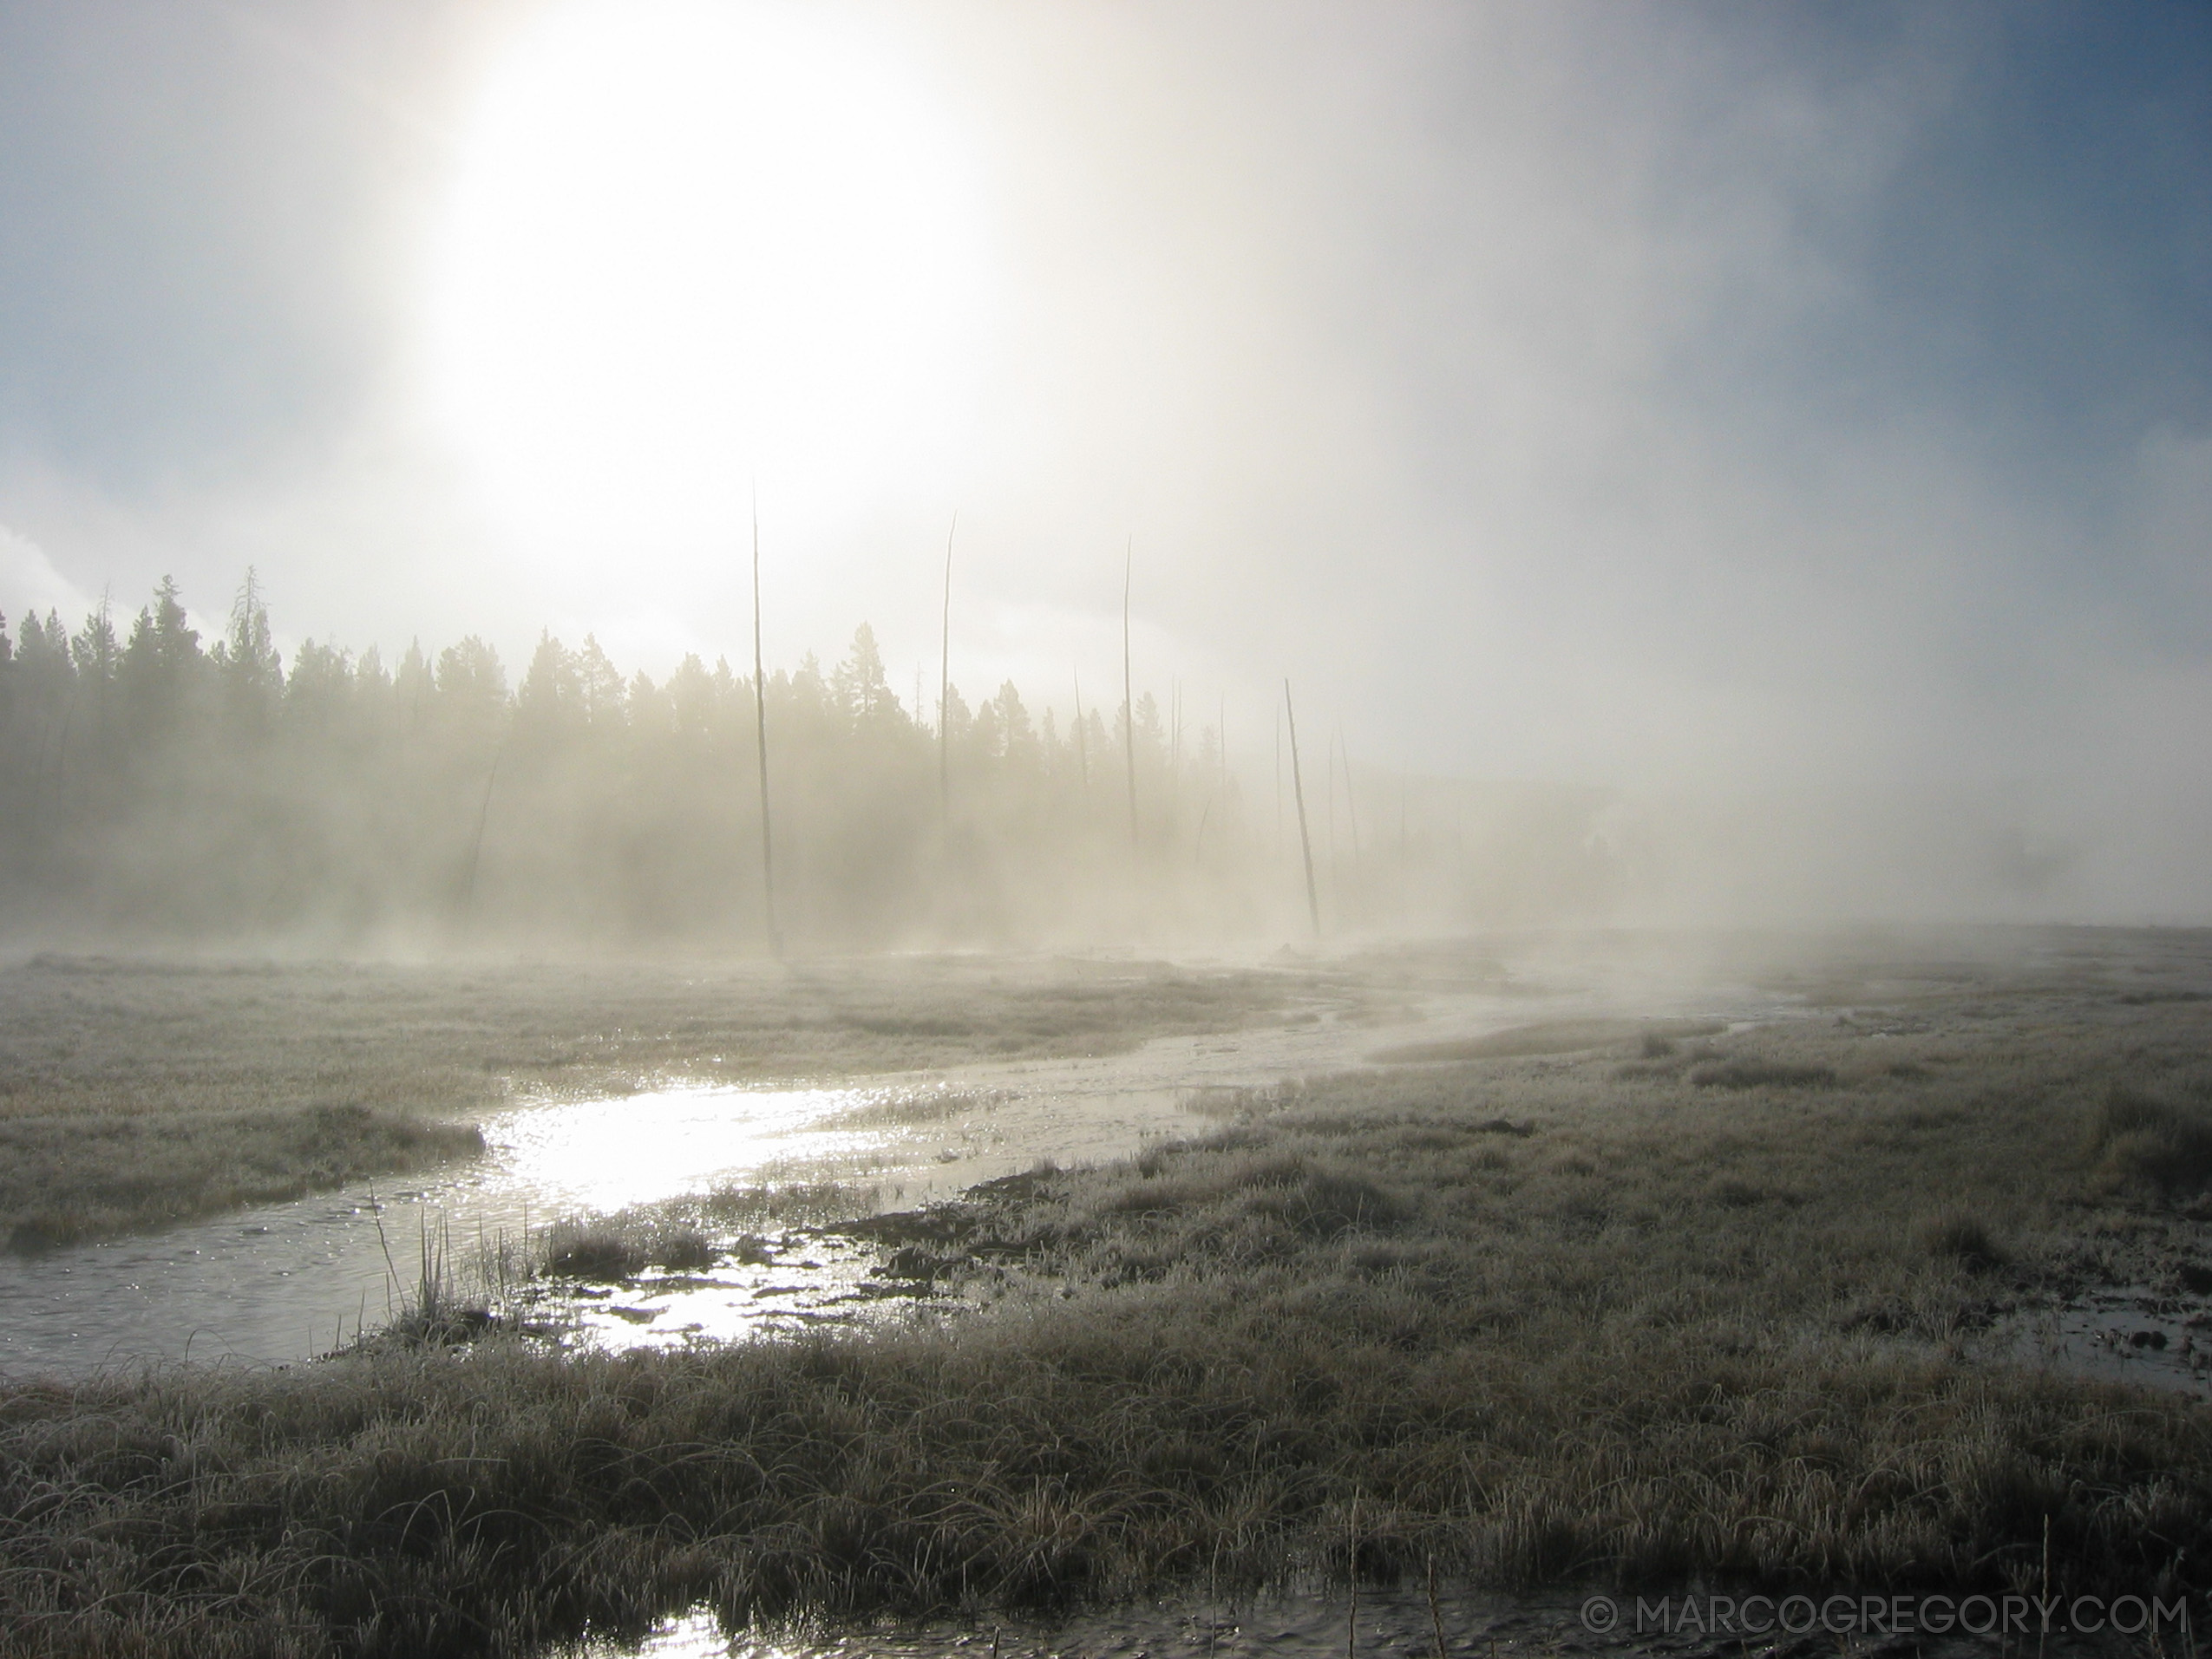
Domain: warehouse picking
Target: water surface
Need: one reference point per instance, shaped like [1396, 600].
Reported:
[284, 1282]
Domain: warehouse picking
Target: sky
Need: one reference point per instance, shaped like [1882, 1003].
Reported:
[1796, 419]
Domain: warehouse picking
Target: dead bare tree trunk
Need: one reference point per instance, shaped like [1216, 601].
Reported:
[1357, 906]
[1083, 741]
[1350, 806]
[1128, 701]
[760, 733]
[1279, 785]
[1175, 755]
[476, 847]
[1305, 839]
[945, 689]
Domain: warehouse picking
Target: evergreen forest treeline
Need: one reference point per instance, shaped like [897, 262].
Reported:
[152, 786]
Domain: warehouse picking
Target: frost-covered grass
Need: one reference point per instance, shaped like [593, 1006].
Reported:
[136, 1093]
[1612, 1313]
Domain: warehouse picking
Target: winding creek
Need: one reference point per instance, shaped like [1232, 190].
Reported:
[284, 1282]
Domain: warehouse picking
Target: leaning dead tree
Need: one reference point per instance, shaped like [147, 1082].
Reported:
[476, 847]
[1304, 839]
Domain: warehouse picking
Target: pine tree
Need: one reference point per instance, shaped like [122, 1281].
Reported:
[95, 650]
[319, 693]
[1017, 740]
[859, 684]
[413, 684]
[692, 695]
[253, 674]
[470, 676]
[44, 657]
[551, 702]
[601, 686]
[161, 664]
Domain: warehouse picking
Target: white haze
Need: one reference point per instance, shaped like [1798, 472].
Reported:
[1486, 371]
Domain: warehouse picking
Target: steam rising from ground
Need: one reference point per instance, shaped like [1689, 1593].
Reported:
[1777, 444]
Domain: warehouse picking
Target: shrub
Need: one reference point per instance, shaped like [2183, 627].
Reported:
[1958, 1236]
[593, 1250]
[1749, 1071]
[1326, 1201]
[2137, 1138]
[682, 1248]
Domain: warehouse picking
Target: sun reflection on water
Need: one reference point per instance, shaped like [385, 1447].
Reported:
[600, 1155]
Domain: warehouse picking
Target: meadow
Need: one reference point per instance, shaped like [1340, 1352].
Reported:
[1638, 1306]
[134, 1092]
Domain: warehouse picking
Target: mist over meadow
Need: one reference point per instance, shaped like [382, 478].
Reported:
[169, 790]
[1694, 466]
[838, 825]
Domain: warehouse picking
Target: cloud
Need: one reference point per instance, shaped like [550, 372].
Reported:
[1785, 418]
[29, 582]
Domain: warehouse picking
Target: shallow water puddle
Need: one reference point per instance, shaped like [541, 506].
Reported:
[2126, 1333]
[799, 1280]
[1387, 1624]
[286, 1282]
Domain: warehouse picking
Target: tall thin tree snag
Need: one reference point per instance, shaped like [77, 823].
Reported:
[1329, 797]
[1305, 839]
[1129, 700]
[476, 847]
[760, 732]
[945, 688]
[1350, 804]
[1083, 742]
[1357, 904]
[1279, 785]
[1175, 756]
[1174, 727]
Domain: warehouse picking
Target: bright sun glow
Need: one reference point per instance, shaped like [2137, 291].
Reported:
[692, 245]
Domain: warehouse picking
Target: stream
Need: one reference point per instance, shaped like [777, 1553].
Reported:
[285, 1282]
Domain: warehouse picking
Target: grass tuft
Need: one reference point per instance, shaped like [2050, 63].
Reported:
[611, 1249]
[595, 1247]
[1752, 1071]
[1958, 1236]
[2136, 1138]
